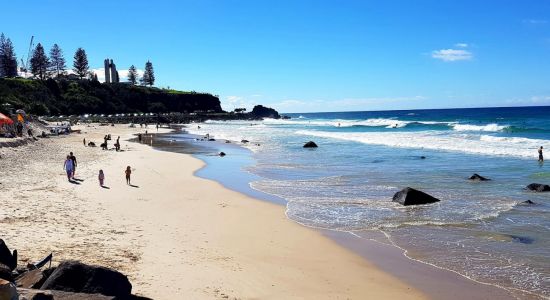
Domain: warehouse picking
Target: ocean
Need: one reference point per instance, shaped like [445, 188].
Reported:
[482, 230]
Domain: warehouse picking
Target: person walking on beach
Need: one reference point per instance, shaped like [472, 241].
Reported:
[73, 158]
[139, 137]
[128, 172]
[117, 145]
[541, 158]
[68, 166]
[101, 177]
[84, 142]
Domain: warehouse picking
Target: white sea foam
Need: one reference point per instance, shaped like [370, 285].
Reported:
[489, 127]
[484, 144]
[374, 122]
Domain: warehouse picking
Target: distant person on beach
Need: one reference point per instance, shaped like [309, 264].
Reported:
[157, 127]
[68, 166]
[73, 158]
[128, 172]
[84, 142]
[101, 177]
[139, 137]
[117, 144]
[541, 158]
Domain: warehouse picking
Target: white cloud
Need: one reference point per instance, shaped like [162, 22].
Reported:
[452, 54]
[232, 102]
[294, 105]
[535, 21]
[123, 74]
[534, 100]
[461, 45]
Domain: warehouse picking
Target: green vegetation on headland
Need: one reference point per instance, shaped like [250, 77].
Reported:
[76, 97]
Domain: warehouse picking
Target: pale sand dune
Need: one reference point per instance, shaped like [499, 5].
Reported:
[177, 236]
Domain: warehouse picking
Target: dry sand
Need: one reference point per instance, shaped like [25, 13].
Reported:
[177, 236]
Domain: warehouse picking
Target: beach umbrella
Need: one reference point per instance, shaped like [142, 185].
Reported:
[5, 120]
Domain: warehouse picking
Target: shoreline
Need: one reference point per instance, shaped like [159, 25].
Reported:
[421, 275]
[174, 234]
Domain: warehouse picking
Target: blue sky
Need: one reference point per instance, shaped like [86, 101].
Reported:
[300, 56]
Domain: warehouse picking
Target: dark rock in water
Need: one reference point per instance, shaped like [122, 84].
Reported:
[74, 276]
[7, 257]
[211, 140]
[537, 187]
[285, 117]
[310, 144]
[478, 177]
[410, 196]
[228, 142]
[528, 202]
[244, 141]
[260, 111]
[422, 157]
[222, 154]
[5, 273]
[522, 239]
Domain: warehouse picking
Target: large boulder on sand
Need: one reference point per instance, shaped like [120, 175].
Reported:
[7, 257]
[8, 290]
[310, 144]
[5, 273]
[74, 276]
[537, 187]
[477, 177]
[410, 196]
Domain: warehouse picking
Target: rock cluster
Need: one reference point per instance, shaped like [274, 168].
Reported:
[69, 280]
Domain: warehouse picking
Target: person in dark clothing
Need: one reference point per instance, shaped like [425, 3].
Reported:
[541, 158]
[73, 158]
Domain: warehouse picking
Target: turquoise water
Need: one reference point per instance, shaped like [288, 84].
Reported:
[479, 229]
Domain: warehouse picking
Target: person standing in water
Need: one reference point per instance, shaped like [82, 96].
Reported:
[541, 158]
[128, 172]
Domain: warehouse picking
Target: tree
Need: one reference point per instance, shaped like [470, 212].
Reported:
[149, 74]
[8, 61]
[39, 63]
[80, 63]
[57, 60]
[132, 75]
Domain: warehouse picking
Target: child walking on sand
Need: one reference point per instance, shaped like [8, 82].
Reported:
[101, 177]
[128, 173]
[69, 167]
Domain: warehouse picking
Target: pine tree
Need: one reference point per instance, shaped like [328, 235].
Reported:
[80, 64]
[8, 61]
[149, 74]
[39, 62]
[132, 75]
[57, 60]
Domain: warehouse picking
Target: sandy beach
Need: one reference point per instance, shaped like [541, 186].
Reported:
[177, 236]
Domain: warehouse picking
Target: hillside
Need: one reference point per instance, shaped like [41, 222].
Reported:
[66, 97]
